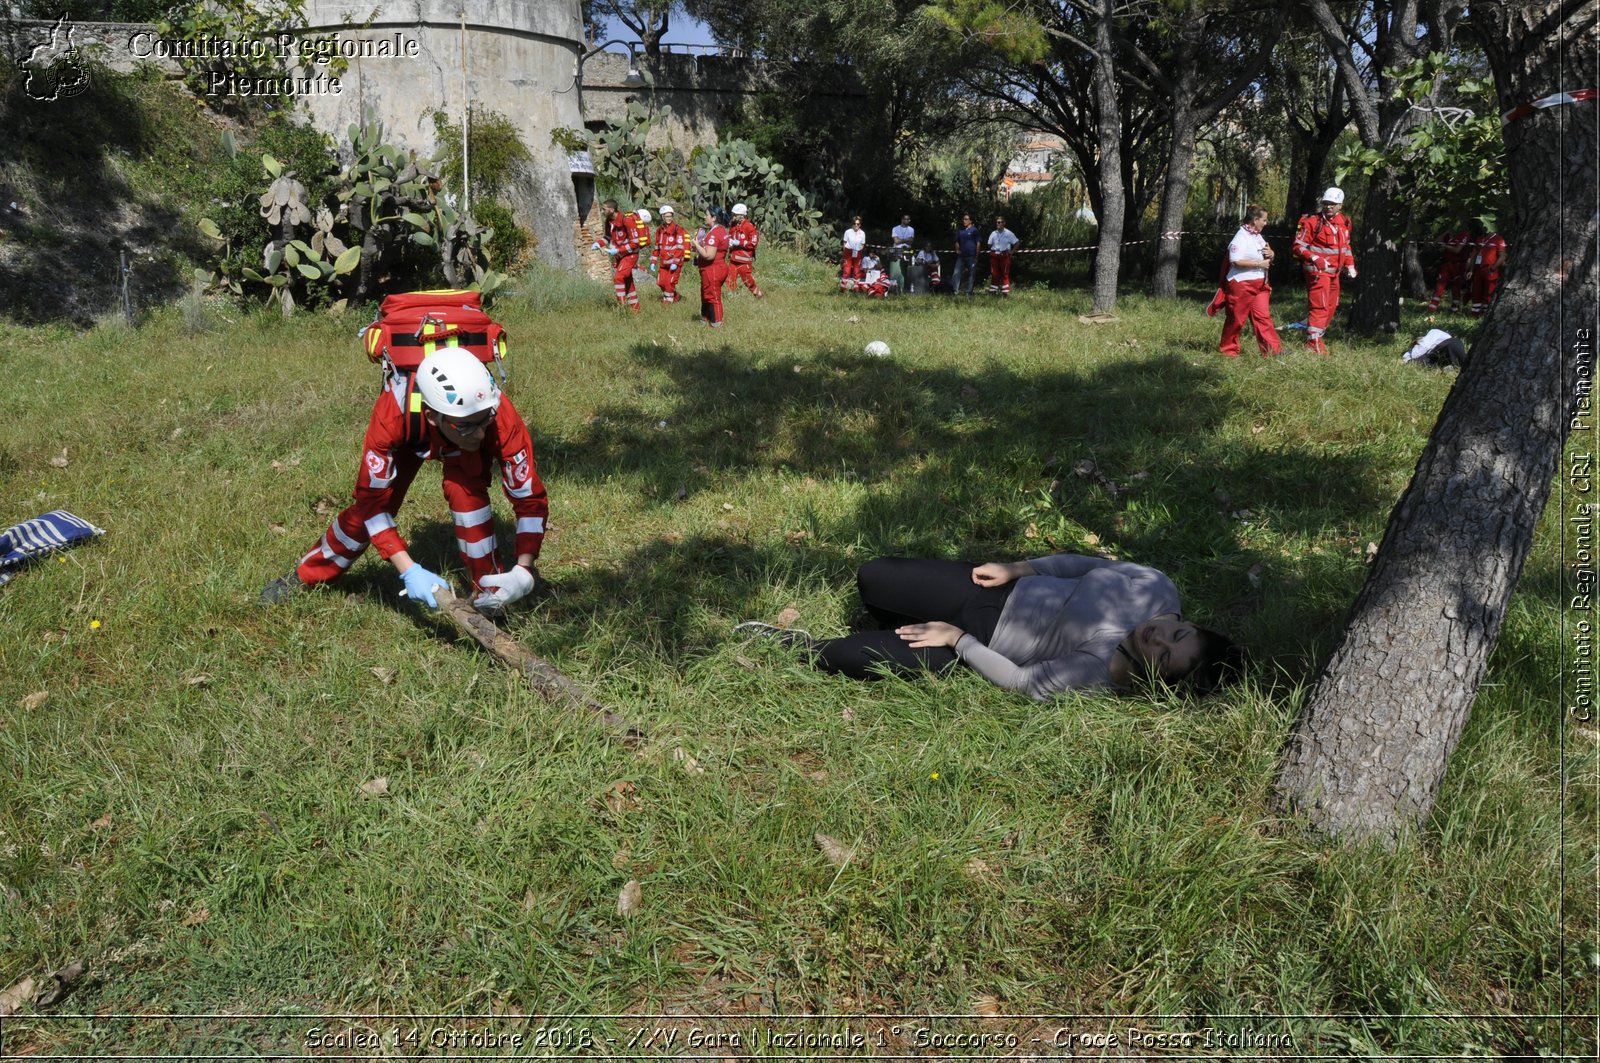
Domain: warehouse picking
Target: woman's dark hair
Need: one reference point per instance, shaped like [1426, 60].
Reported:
[1253, 211]
[1221, 662]
[719, 214]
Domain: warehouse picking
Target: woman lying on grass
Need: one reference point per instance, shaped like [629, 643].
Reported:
[1040, 627]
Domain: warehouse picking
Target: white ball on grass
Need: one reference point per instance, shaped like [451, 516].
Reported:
[878, 349]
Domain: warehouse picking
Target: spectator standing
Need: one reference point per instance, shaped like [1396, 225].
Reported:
[1486, 255]
[925, 270]
[855, 241]
[1248, 292]
[1322, 244]
[966, 255]
[1001, 241]
[900, 238]
[1453, 269]
[710, 251]
[667, 254]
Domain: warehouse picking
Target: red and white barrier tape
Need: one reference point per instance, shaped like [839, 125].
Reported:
[1555, 99]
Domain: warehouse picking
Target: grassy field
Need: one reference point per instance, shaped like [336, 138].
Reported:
[184, 807]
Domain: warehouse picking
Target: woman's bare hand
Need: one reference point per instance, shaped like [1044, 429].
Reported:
[995, 574]
[933, 633]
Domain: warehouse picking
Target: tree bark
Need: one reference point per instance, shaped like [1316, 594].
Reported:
[1108, 254]
[1369, 751]
[1174, 200]
[1376, 306]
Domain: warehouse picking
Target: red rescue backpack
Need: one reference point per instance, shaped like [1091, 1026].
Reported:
[412, 325]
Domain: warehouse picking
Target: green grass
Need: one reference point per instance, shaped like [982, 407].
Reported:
[183, 812]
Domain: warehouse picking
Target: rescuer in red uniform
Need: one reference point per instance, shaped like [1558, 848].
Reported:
[472, 429]
[1322, 244]
[1486, 255]
[743, 239]
[710, 248]
[667, 254]
[622, 244]
[1453, 269]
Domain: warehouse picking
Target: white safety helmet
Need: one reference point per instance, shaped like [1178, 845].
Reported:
[666, 208]
[644, 215]
[454, 383]
[1334, 196]
[739, 208]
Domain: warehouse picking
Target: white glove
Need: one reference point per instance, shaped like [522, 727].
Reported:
[500, 591]
[419, 584]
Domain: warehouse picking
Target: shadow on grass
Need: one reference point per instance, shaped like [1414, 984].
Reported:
[989, 463]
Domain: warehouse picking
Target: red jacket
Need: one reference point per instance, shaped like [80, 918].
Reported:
[622, 232]
[1487, 251]
[1457, 245]
[743, 239]
[672, 243]
[506, 442]
[1323, 244]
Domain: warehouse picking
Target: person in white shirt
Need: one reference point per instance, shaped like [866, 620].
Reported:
[855, 238]
[900, 237]
[1001, 241]
[1249, 294]
[1438, 348]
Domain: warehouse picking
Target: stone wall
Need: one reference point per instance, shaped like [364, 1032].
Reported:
[519, 59]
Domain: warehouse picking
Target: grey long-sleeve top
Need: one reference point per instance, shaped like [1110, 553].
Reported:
[1059, 628]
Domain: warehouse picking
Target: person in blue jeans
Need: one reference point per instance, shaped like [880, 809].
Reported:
[966, 256]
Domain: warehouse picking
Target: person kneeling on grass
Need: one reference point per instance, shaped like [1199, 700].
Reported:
[1055, 623]
[469, 426]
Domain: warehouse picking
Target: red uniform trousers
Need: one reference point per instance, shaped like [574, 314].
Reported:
[851, 269]
[744, 271]
[1452, 276]
[1248, 300]
[668, 279]
[622, 279]
[1486, 271]
[1485, 282]
[711, 277]
[1000, 273]
[1322, 297]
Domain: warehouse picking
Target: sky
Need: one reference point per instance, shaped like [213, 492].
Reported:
[684, 30]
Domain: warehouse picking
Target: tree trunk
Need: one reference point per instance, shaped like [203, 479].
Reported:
[1377, 295]
[1108, 255]
[1174, 200]
[1415, 285]
[1366, 757]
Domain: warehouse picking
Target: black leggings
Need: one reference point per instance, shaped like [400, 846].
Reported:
[901, 590]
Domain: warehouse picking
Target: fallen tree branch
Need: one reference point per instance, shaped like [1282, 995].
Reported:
[545, 679]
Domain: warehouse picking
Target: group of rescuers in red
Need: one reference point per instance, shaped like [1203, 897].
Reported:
[724, 250]
[1322, 246]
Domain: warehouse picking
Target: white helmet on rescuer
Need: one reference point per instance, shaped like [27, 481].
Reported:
[666, 208]
[454, 383]
[644, 215]
[740, 208]
[1334, 196]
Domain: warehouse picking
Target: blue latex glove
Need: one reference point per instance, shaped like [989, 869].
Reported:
[419, 585]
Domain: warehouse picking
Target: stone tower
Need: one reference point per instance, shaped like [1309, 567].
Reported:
[517, 57]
